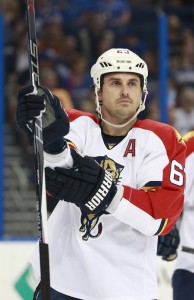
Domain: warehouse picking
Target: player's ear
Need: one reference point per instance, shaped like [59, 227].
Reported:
[100, 96]
[99, 92]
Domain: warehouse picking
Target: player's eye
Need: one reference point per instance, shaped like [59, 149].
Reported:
[132, 83]
[116, 83]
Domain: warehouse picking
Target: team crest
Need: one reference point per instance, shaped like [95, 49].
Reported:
[90, 225]
[110, 165]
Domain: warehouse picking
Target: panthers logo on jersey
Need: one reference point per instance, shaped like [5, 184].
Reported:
[110, 165]
[90, 221]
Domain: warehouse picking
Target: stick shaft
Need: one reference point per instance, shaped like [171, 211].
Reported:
[39, 158]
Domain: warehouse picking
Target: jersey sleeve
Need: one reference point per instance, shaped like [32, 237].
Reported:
[155, 206]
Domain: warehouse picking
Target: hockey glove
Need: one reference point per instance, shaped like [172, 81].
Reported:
[87, 184]
[168, 244]
[55, 122]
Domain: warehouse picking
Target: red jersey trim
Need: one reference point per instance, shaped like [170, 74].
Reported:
[162, 204]
[73, 114]
[165, 132]
[127, 192]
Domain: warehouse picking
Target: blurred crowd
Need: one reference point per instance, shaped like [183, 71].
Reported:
[72, 34]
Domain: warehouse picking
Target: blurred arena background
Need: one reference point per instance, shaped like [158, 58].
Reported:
[71, 35]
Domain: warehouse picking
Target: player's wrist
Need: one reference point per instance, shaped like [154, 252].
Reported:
[116, 199]
[62, 159]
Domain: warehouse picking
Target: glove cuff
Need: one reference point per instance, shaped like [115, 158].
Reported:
[56, 147]
[116, 200]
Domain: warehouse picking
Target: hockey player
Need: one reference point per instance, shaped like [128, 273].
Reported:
[183, 277]
[120, 181]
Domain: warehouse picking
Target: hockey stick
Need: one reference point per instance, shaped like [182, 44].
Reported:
[188, 249]
[39, 158]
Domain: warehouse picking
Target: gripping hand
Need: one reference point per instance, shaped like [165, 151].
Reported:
[55, 122]
[87, 184]
[168, 244]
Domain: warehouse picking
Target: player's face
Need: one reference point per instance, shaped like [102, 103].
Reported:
[120, 95]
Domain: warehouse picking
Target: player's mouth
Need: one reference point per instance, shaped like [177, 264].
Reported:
[124, 101]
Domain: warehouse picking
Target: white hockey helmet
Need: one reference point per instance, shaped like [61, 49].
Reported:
[119, 60]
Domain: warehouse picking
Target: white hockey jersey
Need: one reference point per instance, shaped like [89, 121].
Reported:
[113, 257]
[185, 260]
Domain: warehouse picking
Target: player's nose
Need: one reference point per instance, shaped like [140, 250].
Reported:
[124, 91]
